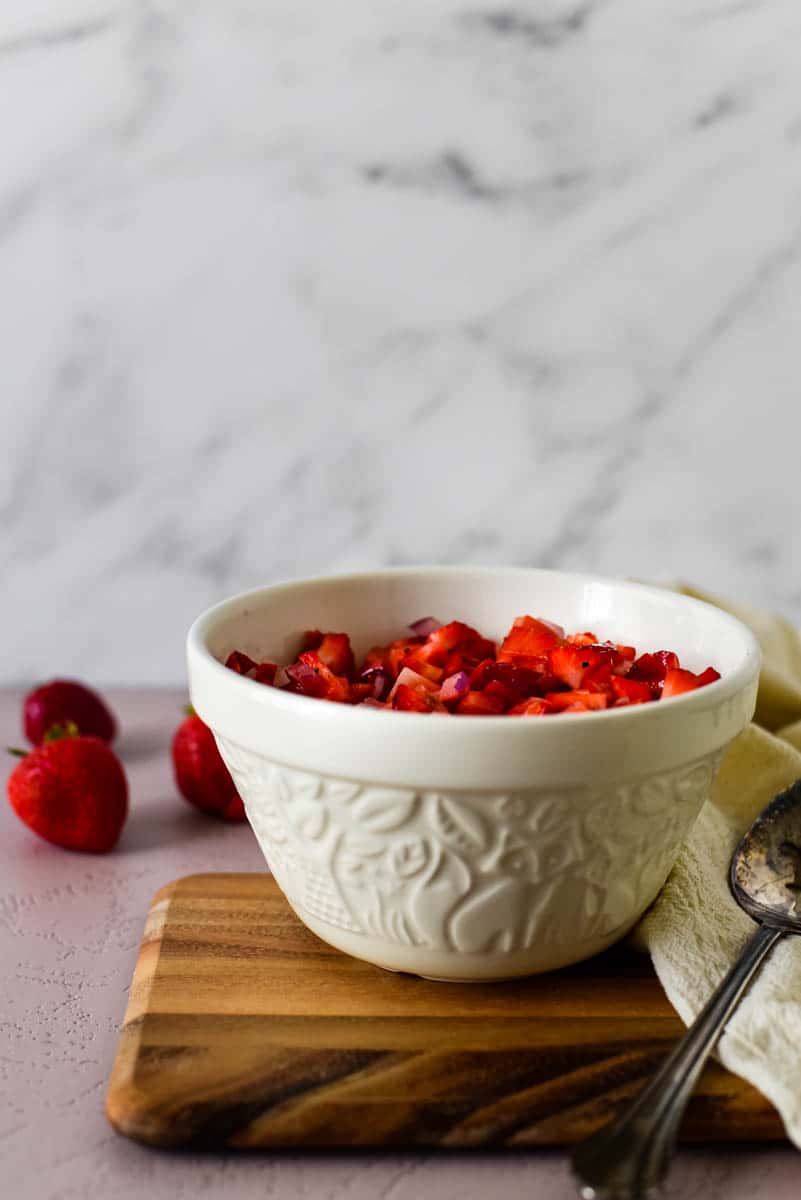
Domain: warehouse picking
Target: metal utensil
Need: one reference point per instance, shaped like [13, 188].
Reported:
[628, 1159]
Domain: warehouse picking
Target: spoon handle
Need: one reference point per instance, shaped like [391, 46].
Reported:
[629, 1157]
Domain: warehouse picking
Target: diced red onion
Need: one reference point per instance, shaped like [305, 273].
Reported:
[425, 626]
[281, 677]
[455, 686]
[377, 678]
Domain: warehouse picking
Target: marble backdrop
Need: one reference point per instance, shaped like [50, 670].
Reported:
[290, 287]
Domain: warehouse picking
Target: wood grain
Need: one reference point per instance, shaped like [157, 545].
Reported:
[243, 1029]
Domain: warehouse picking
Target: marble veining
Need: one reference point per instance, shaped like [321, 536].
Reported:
[289, 288]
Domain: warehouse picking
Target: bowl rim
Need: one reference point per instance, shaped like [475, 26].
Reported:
[728, 685]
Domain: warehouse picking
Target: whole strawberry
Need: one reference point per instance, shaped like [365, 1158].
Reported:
[72, 791]
[64, 701]
[202, 776]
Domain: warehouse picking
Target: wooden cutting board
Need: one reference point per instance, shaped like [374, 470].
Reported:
[243, 1029]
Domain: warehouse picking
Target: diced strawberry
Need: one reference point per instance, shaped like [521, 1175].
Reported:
[600, 688]
[239, 662]
[624, 658]
[454, 647]
[520, 680]
[477, 648]
[454, 634]
[416, 662]
[559, 630]
[263, 672]
[599, 680]
[335, 651]
[568, 663]
[482, 673]
[452, 668]
[479, 704]
[393, 657]
[678, 681]
[573, 663]
[652, 668]
[527, 642]
[549, 683]
[408, 699]
[467, 656]
[504, 695]
[631, 691]
[536, 706]
[577, 699]
[669, 660]
[398, 651]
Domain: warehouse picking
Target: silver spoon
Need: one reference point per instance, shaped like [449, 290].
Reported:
[628, 1159]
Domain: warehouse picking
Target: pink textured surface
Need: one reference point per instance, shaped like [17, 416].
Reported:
[69, 930]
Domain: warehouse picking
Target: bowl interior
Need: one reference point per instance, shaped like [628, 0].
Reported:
[411, 750]
[377, 607]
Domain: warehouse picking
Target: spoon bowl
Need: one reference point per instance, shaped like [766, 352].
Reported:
[765, 872]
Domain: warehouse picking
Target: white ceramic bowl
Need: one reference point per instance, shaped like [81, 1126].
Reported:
[469, 848]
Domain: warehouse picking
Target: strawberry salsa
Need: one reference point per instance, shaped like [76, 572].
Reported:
[536, 670]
